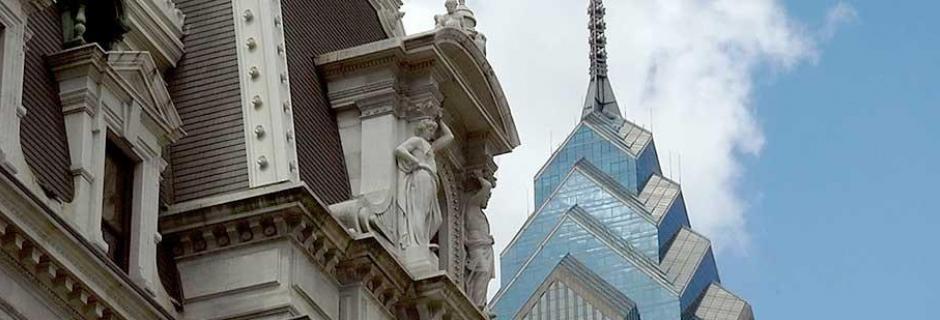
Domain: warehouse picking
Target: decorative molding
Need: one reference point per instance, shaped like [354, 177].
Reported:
[453, 236]
[157, 27]
[437, 298]
[63, 263]
[377, 90]
[448, 58]
[289, 213]
[295, 214]
[53, 276]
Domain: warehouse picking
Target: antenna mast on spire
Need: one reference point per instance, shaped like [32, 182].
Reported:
[598, 39]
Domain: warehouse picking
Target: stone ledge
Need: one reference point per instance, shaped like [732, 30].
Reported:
[294, 212]
[64, 263]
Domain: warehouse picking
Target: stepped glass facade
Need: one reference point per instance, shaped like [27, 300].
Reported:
[610, 238]
[244, 159]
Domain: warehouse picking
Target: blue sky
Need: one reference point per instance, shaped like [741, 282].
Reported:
[807, 131]
[844, 219]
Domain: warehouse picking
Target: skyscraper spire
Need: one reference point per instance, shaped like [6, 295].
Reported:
[600, 97]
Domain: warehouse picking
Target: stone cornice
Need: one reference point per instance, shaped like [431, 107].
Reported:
[156, 26]
[286, 213]
[294, 212]
[438, 297]
[370, 263]
[450, 57]
[66, 265]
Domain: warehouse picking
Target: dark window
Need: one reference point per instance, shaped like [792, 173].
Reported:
[116, 209]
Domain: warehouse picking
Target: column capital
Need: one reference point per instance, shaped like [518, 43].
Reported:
[382, 103]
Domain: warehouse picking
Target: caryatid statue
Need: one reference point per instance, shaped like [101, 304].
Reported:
[418, 183]
[481, 264]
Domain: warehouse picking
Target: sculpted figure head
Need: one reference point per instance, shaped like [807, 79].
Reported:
[426, 129]
[485, 190]
[451, 6]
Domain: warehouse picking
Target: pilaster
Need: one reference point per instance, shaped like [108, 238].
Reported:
[380, 131]
[265, 91]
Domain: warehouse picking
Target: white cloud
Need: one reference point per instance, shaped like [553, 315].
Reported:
[840, 14]
[684, 67]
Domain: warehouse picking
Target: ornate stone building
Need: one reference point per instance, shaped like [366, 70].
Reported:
[244, 159]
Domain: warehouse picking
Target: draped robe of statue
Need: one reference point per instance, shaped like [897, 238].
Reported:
[481, 264]
[418, 184]
[417, 195]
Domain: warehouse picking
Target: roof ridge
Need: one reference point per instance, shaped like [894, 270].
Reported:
[624, 196]
[571, 274]
[582, 218]
[613, 186]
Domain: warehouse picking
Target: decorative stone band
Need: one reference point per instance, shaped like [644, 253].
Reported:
[295, 213]
[53, 276]
[292, 213]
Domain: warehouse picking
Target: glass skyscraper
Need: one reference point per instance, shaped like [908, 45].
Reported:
[610, 237]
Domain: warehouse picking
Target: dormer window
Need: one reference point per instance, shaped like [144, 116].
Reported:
[118, 118]
[117, 204]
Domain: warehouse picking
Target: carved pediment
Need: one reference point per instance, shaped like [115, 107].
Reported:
[140, 71]
[129, 77]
